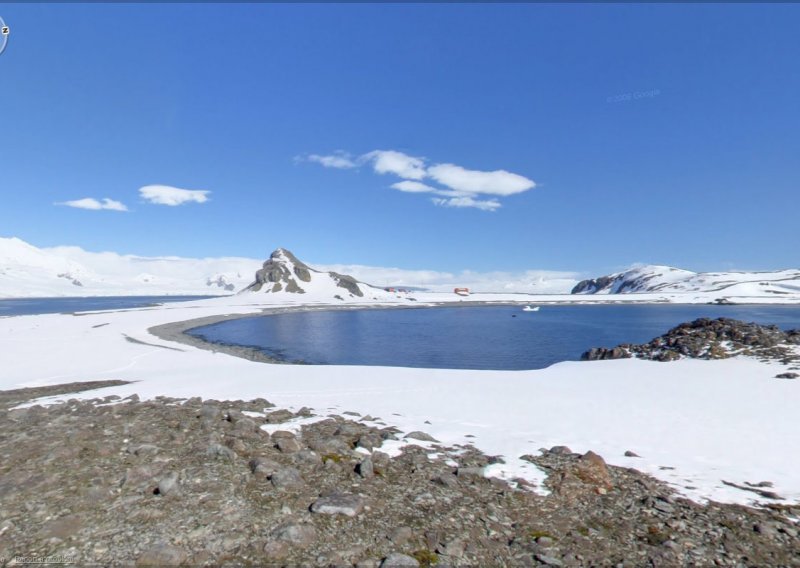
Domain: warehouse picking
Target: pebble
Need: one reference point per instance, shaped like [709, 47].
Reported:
[339, 504]
[295, 533]
[168, 484]
[162, 554]
[399, 560]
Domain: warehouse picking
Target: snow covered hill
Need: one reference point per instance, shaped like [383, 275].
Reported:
[283, 273]
[27, 271]
[654, 278]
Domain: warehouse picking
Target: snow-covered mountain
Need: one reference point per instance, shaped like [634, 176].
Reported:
[283, 273]
[27, 271]
[654, 278]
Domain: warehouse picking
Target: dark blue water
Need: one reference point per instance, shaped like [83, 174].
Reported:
[468, 338]
[30, 306]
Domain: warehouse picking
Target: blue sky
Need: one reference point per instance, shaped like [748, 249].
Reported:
[617, 134]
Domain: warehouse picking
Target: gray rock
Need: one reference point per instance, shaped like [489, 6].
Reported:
[470, 472]
[286, 478]
[288, 445]
[787, 376]
[447, 480]
[295, 533]
[263, 467]
[209, 412]
[168, 484]
[219, 451]
[548, 560]
[330, 445]
[630, 454]
[276, 549]
[233, 415]
[422, 436]
[401, 535]
[663, 506]
[399, 560]
[162, 554]
[339, 504]
[278, 416]
[365, 468]
[246, 425]
[307, 458]
[144, 450]
[453, 549]
[369, 441]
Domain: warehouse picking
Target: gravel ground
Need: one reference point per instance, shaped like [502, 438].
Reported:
[193, 482]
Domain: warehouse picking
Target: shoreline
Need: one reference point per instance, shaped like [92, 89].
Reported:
[177, 332]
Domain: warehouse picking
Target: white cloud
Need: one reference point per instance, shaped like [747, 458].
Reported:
[458, 186]
[397, 163]
[93, 204]
[172, 196]
[339, 160]
[498, 182]
[467, 201]
[413, 187]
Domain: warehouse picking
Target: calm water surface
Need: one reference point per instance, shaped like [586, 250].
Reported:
[468, 338]
[30, 306]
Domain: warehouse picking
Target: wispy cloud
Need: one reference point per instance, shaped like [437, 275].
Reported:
[172, 196]
[95, 205]
[397, 163]
[457, 186]
[340, 160]
[467, 201]
[412, 187]
[498, 182]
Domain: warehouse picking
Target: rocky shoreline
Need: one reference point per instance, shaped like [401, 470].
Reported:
[706, 338]
[193, 482]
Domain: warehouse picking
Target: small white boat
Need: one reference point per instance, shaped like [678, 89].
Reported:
[530, 309]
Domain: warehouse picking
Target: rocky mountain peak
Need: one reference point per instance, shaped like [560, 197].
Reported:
[284, 272]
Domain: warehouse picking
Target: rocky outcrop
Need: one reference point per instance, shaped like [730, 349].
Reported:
[706, 338]
[284, 272]
[280, 272]
[205, 483]
[347, 282]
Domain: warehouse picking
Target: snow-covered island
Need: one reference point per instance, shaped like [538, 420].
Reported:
[711, 429]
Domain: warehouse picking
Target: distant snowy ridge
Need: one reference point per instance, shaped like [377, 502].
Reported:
[27, 271]
[283, 273]
[654, 278]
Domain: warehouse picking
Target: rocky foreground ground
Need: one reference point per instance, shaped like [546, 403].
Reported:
[199, 482]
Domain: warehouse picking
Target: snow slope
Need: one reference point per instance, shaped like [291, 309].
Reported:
[661, 411]
[27, 271]
[654, 278]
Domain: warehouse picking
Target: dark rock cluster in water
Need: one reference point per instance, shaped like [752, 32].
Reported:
[706, 338]
[200, 482]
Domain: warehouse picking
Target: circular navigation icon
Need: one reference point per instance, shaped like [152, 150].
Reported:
[4, 33]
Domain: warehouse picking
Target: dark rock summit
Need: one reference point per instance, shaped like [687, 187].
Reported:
[706, 338]
[284, 272]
